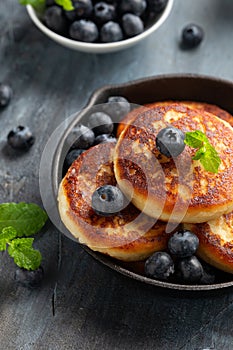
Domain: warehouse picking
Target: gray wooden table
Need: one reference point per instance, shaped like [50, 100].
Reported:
[81, 304]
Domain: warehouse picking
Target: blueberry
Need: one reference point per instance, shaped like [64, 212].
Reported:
[190, 270]
[82, 137]
[183, 244]
[50, 2]
[28, 278]
[136, 7]
[159, 265]
[170, 141]
[104, 138]
[209, 274]
[112, 2]
[110, 32]
[207, 278]
[157, 6]
[107, 200]
[72, 156]
[5, 95]
[192, 35]
[118, 99]
[117, 107]
[132, 24]
[104, 12]
[20, 138]
[54, 19]
[100, 123]
[71, 15]
[83, 8]
[84, 30]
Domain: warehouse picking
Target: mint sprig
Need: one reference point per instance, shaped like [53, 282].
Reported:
[20, 249]
[24, 255]
[206, 153]
[66, 4]
[17, 222]
[39, 4]
[26, 218]
[8, 233]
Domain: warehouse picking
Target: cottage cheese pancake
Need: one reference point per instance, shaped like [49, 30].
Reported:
[129, 235]
[216, 241]
[179, 189]
[219, 112]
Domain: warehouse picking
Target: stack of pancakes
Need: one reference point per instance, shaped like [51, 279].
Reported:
[163, 193]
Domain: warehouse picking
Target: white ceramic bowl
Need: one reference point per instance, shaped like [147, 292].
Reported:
[101, 47]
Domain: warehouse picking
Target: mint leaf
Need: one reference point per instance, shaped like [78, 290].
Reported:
[39, 4]
[34, 3]
[8, 233]
[206, 153]
[210, 164]
[210, 160]
[24, 255]
[26, 219]
[195, 138]
[66, 4]
[199, 154]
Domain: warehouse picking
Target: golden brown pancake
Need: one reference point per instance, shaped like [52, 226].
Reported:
[202, 106]
[216, 241]
[129, 235]
[179, 189]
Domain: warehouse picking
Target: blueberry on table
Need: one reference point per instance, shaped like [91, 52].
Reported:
[54, 19]
[104, 12]
[84, 30]
[159, 266]
[170, 141]
[132, 24]
[28, 278]
[111, 32]
[20, 138]
[157, 6]
[72, 156]
[5, 95]
[190, 270]
[136, 7]
[100, 123]
[107, 200]
[192, 35]
[83, 8]
[104, 138]
[82, 137]
[183, 244]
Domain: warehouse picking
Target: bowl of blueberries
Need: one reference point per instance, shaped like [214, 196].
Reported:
[108, 105]
[100, 26]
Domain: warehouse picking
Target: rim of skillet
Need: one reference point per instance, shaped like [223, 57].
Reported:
[56, 176]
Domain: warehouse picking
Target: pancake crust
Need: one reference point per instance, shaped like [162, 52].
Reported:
[216, 241]
[180, 189]
[202, 106]
[130, 235]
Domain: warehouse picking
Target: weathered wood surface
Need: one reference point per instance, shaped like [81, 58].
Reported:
[81, 304]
